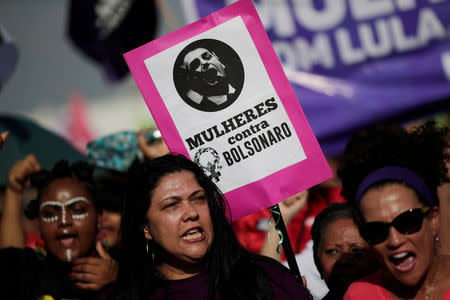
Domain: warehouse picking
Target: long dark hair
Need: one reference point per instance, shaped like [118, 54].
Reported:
[231, 268]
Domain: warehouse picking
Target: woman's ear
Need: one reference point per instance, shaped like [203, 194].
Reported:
[435, 220]
[147, 234]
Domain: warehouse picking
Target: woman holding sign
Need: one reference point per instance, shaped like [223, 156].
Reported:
[178, 244]
[393, 184]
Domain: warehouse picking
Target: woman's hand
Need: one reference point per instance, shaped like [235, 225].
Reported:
[289, 208]
[3, 136]
[20, 173]
[154, 150]
[292, 205]
[94, 273]
[11, 228]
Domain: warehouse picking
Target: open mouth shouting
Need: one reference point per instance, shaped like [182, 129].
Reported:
[403, 262]
[193, 235]
[210, 76]
[66, 241]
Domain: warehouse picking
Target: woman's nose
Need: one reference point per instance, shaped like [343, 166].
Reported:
[189, 212]
[395, 238]
[64, 218]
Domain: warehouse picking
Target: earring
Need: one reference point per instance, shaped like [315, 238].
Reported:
[151, 250]
[437, 242]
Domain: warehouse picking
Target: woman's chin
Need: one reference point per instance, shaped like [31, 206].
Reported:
[408, 279]
[196, 257]
[67, 255]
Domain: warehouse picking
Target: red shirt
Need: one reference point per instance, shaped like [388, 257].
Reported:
[371, 287]
[251, 230]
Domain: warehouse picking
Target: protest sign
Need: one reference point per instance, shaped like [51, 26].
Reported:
[218, 94]
[356, 62]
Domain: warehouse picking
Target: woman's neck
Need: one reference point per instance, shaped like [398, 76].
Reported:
[398, 290]
[429, 282]
[179, 271]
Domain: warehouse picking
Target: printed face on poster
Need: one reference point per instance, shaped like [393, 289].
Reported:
[219, 96]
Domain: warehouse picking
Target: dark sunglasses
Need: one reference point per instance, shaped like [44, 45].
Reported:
[407, 222]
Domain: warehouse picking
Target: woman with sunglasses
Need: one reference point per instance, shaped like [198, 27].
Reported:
[391, 177]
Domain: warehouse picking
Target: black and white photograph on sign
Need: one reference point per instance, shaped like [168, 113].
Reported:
[208, 159]
[236, 137]
[208, 75]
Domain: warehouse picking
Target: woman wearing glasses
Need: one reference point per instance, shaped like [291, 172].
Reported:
[391, 177]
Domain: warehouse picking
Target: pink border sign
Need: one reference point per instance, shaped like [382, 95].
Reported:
[309, 168]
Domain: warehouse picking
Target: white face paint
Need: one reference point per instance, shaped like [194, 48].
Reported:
[63, 206]
[73, 201]
[69, 255]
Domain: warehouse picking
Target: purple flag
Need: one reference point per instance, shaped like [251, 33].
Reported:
[355, 62]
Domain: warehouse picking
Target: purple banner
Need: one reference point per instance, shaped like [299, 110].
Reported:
[355, 62]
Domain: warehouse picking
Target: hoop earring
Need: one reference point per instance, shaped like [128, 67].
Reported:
[148, 251]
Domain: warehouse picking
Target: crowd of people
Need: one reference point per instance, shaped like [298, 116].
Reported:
[379, 230]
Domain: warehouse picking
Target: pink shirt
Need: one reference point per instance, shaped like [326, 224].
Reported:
[370, 288]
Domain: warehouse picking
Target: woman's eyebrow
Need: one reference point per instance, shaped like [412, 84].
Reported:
[75, 200]
[195, 193]
[63, 204]
[51, 203]
[172, 197]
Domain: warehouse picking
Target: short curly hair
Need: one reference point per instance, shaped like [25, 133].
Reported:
[80, 170]
[421, 150]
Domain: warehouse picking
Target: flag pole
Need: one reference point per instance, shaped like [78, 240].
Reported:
[287, 247]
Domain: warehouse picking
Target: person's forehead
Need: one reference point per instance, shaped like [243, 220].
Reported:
[386, 202]
[180, 183]
[196, 53]
[340, 232]
[337, 227]
[65, 189]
